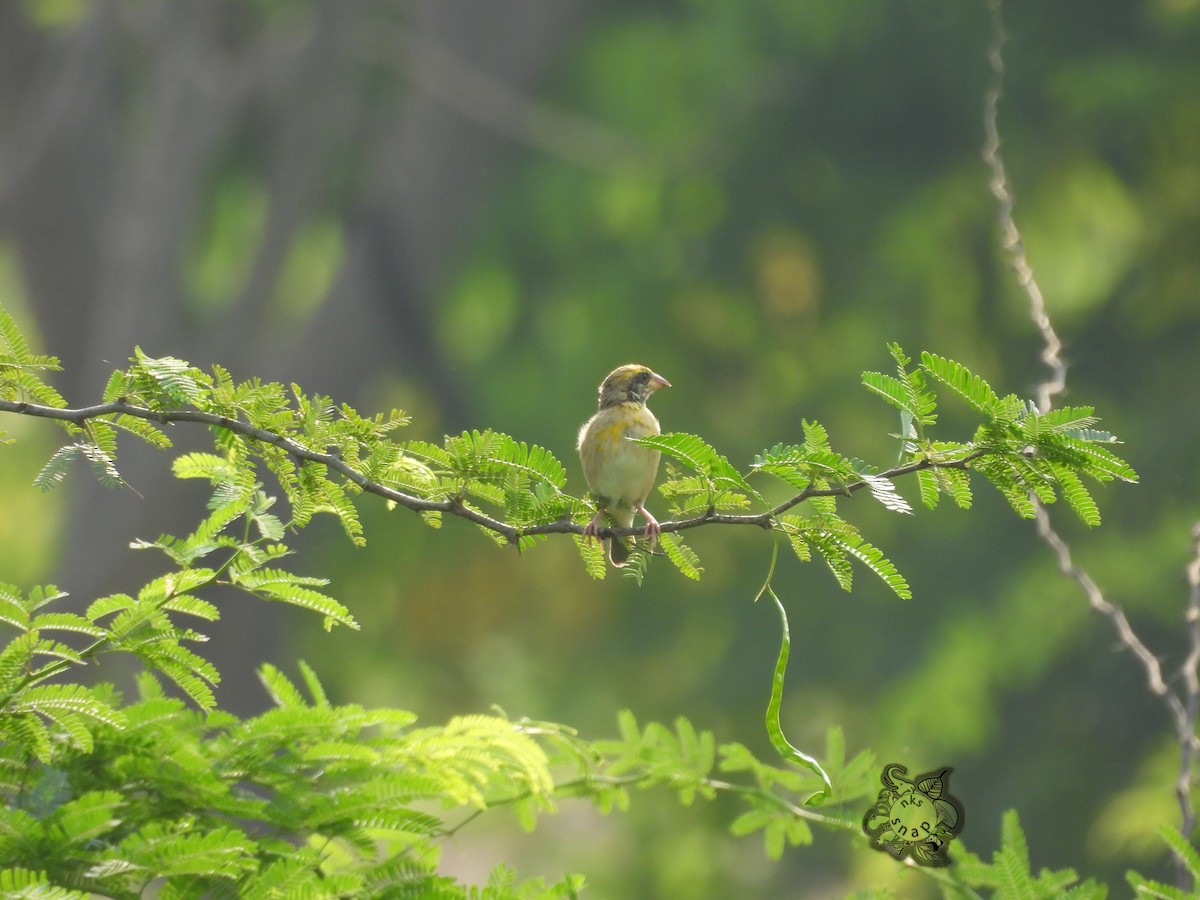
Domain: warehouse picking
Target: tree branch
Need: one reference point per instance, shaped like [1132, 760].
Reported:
[1189, 747]
[1183, 706]
[1010, 235]
[455, 505]
[1125, 632]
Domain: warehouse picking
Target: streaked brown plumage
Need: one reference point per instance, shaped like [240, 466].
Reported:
[619, 473]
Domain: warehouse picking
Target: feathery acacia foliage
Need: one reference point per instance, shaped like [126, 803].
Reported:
[1009, 874]
[323, 454]
[104, 795]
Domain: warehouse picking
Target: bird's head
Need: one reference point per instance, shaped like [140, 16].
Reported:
[630, 383]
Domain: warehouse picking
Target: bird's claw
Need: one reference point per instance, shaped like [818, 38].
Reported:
[591, 531]
[653, 530]
[652, 534]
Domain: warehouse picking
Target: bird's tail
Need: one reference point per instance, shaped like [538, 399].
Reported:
[618, 551]
[619, 548]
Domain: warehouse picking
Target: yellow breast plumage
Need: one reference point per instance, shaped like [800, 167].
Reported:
[619, 473]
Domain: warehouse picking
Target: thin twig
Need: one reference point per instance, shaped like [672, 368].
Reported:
[1191, 686]
[1010, 235]
[1183, 706]
[1125, 633]
[454, 505]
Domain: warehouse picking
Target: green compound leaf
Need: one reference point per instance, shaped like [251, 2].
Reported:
[971, 387]
[884, 490]
[906, 391]
[837, 541]
[276, 584]
[683, 556]
[889, 388]
[592, 553]
[1010, 875]
[1184, 853]
[88, 817]
[142, 429]
[703, 459]
[54, 472]
[178, 382]
[224, 852]
[24, 883]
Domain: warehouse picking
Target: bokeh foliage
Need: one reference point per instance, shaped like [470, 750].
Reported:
[329, 781]
[788, 187]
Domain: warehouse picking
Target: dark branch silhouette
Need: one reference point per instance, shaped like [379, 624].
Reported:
[454, 505]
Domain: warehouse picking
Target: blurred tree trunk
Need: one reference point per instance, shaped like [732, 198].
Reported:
[113, 131]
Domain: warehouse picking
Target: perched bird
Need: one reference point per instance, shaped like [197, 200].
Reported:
[619, 473]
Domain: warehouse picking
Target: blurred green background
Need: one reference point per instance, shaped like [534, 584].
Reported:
[474, 211]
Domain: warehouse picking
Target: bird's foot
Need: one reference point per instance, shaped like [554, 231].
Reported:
[653, 529]
[591, 531]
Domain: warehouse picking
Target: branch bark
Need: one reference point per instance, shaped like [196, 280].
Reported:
[1183, 705]
[454, 505]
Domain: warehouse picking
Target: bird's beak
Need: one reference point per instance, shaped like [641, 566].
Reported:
[657, 381]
